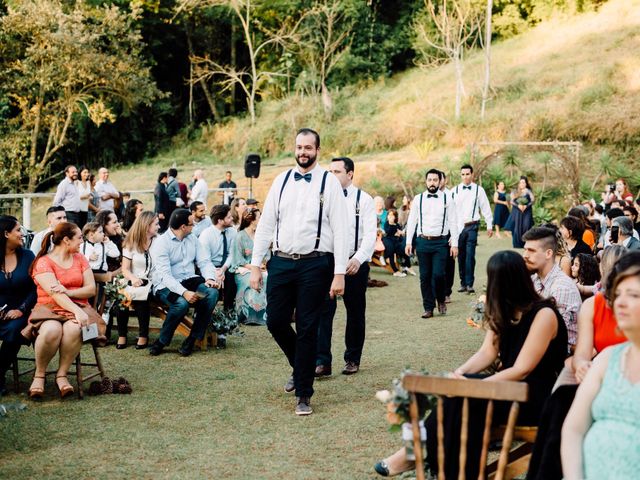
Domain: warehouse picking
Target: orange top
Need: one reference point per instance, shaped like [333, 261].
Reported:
[70, 278]
[605, 326]
[589, 238]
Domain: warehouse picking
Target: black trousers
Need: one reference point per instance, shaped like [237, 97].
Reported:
[450, 274]
[79, 218]
[230, 290]
[141, 307]
[355, 302]
[301, 285]
[432, 258]
[467, 242]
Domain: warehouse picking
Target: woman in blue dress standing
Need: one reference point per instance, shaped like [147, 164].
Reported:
[522, 211]
[501, 210]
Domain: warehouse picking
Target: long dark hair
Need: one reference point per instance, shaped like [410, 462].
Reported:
[589, 270]
[7, 223]
[248, 218]
[54, 237]
[509, 290]
[130, 213]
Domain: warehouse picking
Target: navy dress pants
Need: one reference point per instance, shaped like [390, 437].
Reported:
[467, 242]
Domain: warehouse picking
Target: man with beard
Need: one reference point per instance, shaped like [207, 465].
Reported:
[68, 196]
[217, 242]
[200, 219]
[549, 280]
[433, 219]
[305, 216]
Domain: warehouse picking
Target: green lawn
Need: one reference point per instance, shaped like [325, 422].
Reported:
[223, 413]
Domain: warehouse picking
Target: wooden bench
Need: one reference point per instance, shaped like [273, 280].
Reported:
[185, 326]
[515, 392]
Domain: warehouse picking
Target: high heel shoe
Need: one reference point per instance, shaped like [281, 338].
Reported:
[36, 392]
[65, 390]
[142, 346]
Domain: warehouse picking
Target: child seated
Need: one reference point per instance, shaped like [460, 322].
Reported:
[97, 247]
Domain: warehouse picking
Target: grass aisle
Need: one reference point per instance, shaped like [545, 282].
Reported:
[223, 414]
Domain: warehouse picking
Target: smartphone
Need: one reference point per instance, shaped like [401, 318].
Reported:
[614, 234]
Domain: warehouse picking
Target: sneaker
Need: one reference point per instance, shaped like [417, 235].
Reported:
[289, 387]
[399, 274]
[470, 290]
[383, 262]
[408, 271]
[462, 289]
[303, 406]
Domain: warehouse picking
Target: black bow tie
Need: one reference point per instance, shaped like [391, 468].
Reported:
[468, 187]
[346, 193]
[298, 176]
[432, 195]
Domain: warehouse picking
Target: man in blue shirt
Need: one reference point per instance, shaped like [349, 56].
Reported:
[175, 255]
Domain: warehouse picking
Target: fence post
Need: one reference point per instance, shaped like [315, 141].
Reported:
[26, 212]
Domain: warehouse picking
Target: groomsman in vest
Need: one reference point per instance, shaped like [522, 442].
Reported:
[470, 202]
[432, 217]
[305, 216]
[451, 261]
[362, 239]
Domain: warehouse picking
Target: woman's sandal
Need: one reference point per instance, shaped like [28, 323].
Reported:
[36, 392]
[65, 390]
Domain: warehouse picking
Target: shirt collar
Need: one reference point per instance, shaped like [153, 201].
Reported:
[550, 276]
[626, 242]
[312, 171]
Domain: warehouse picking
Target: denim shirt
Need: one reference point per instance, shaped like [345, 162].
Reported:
[175, 260]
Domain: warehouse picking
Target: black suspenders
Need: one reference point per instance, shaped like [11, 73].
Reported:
[475, 201]
[319, 233]
[355, 247]
[444, 213]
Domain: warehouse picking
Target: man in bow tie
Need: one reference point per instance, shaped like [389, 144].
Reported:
[470, 201]
[305, 218]
[433, 219]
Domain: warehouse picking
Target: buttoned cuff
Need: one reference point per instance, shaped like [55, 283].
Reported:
[340, 269]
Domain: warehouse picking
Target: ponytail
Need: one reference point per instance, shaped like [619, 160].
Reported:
[54, 237]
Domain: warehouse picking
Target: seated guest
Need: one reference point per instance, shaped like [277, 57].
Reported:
[132, 209]
[585, 271]
[175, 255]
[540, 250]
[55, 215]
[250, 304]
[632, 214]
[200, 219]
[528, 335]
[596, 331]
[97, 247]
[17, 292]
[65, 283]
[609, 257]
[394, 245]
[563, 259]
[625, 233]
[113, 231]
[600, 434]
[238, 207]
[582, 213]
[217, 242]
[572, 229]
[136, 268]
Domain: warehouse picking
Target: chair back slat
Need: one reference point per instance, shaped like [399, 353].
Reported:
[464, 433]
[514, 392]
[471, 388]
[486, 438]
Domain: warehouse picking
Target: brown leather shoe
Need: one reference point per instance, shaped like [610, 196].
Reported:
[442, 308]
[323, 371]
[427, 314]
[350, 368]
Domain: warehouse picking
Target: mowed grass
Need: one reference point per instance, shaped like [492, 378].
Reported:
[223, 413]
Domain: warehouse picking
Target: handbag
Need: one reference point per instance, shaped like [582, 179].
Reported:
[140, 293]
[44, 312]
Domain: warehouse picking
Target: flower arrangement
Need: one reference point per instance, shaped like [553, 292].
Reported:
[477, 312]
[224, 322]
[116, 292]
[523, 200]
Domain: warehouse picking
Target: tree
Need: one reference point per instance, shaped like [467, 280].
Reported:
[322, 43]
[258, 39]
[487, 58]
[59, 64]
[444, 32]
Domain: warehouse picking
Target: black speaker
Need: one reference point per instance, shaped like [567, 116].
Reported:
[252, 165]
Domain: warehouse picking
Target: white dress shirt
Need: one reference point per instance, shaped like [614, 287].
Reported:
[68, 196]
[36, 243]
[102, 188]
[468, 209]
[367, 227]
[438, 217]
[200, 191]
[82, 190]
[101, 252]
[296, 228]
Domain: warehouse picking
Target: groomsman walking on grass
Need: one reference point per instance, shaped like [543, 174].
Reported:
[433, 219]
[305, 217]
[362, 238]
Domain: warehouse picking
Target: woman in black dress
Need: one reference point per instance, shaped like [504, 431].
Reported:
[528, 335]
[501, 209]
[17, 292]
[163, 205]
[521, 218]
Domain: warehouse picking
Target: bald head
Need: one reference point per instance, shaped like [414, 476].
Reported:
[103, 173]
[199, 174]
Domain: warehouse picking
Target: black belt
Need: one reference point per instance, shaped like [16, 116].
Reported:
[469, 224]
[435, 237]
[300, 256]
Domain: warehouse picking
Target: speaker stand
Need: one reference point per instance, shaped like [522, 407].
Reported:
[250, 187]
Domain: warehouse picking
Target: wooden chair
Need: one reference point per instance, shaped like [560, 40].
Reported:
[514, 392]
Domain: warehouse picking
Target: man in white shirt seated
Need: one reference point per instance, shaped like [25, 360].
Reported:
[55, 215]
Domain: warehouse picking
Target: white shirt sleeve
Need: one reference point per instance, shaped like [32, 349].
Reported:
[111, 249]
[485, 208]
[412, 221]
[453, 222]
[336, 206]
[267, 223]
[369, 229]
